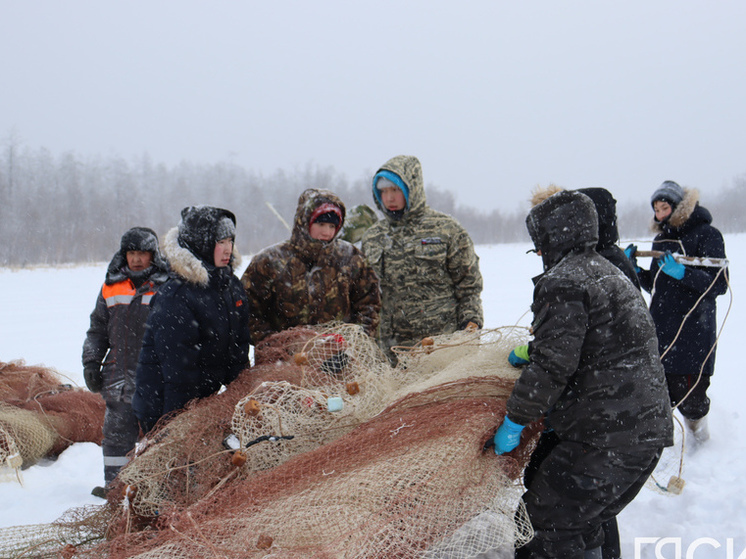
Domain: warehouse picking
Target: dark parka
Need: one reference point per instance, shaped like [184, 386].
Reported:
[197, 335]
[594, 368]
[608, 232]
[425, 260]
[308, 281]
[687, 231]
[118, 321]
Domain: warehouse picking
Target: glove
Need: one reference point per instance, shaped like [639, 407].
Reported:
[508, 436]
[519, 356]
[670, 267]
[630, 252]
[94, 379]
[470, 326]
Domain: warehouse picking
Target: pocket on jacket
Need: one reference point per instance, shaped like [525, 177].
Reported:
[430, 259]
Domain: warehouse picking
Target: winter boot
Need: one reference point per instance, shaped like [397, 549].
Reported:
[699, 429]
[100, 492]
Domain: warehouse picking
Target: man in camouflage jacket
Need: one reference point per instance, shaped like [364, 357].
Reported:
[425, 260]
[311, 281]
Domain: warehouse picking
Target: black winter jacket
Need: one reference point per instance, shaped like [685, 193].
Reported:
[608, 232]
[594, 369]
[687, 231]
[197, 335]
[118, 324]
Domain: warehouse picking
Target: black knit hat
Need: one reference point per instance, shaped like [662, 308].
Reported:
[139, 238]
[669, 192]
[201, 227]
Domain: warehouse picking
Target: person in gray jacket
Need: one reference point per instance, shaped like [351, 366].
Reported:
[594, 373]
[113, 341]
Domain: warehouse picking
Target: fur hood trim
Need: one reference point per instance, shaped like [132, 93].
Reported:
[540, 193]
[681, 214]
[185, 264]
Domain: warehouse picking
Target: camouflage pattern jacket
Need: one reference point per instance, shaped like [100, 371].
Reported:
[594, 368]
[425, 260]
[307, 281]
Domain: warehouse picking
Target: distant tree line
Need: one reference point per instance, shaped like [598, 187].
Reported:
[72, 209]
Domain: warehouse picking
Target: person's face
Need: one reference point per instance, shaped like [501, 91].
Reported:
[393, 199]
[322, 231]
[662, 209]
[139, 260]
[223, 251]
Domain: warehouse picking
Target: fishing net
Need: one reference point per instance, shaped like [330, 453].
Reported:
[40, 416]
[322, 449]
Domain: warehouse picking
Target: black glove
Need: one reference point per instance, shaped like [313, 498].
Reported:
[94, 379]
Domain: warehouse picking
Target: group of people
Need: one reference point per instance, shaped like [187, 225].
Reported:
[168, 328]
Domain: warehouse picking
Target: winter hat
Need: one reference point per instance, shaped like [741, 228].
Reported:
[669, 192]
[327, 213]
[139, 238]
[201, 227]
[387, 179]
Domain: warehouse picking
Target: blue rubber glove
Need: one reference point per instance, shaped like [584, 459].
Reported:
[670, 267]
[519, 356]
[630, 252]
[508, 436]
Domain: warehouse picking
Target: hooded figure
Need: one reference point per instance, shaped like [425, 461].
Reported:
[595, 375]
[197, 337]
[608, 232]
[686, 344]
[311, 281]
[115, 335]
[425, 260]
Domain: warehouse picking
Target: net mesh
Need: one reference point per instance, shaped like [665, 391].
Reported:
[40, 416]
[336, 454]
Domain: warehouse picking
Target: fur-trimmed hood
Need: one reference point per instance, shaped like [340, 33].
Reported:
[565, 221]
[186, 265]
[681, 213]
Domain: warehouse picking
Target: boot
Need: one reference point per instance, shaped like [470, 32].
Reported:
[100, 492]
[699, 429]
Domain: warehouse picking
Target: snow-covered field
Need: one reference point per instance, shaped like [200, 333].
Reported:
[45, 316]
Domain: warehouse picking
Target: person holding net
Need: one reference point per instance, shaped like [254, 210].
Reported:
[197, 336]
[314, 277]
[425, 260]
[683, 302]
[112, 343]
[593, 372]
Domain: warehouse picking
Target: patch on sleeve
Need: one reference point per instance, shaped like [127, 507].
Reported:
[431, 241]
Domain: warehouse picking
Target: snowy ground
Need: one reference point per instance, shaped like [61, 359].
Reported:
[45, 317]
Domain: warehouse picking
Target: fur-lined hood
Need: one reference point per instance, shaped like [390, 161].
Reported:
[186, 265]
[564, 222]
[681, 214]
[541, 193]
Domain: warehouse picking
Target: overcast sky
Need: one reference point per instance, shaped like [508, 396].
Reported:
[494, 97]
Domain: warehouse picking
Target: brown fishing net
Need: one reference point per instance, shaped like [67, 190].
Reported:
[40, 416]
[322, 449]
